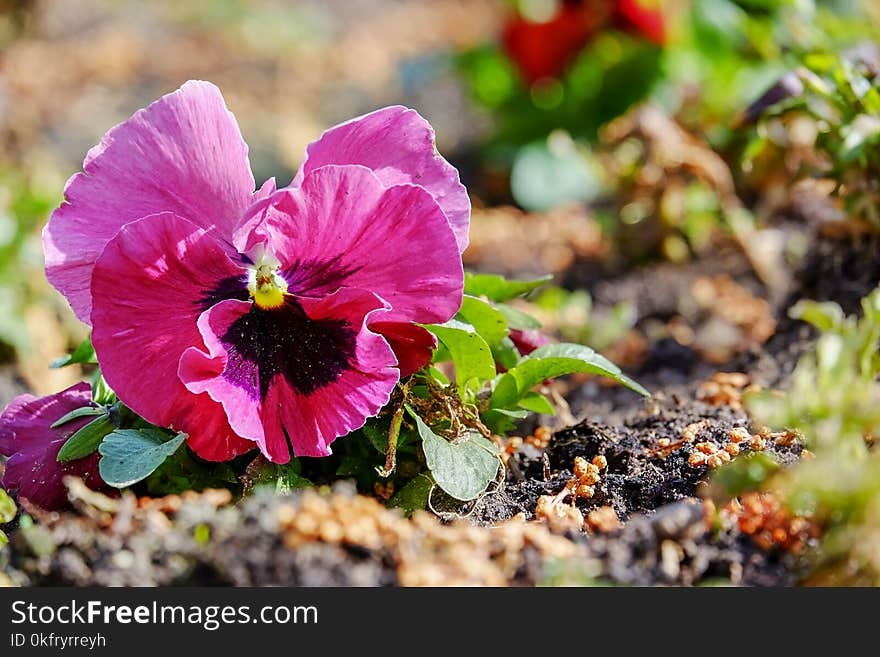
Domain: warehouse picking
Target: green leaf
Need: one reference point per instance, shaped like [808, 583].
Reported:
[464, 467]
[83, 411]
[84, 353]
[184, 471]
[498, 288]
[101, 392]
[441, 354]
[537, 403]
[506, 393]
[486, 320]
[754, 148]
[376, 430]
[517, 319]
[550, 361]
[861, 133]
[7, 508]
[871, 100]
[748, 472]
[277, 477]
[514, 413]
[288, 478]
[825, 316]
[131, 455]
[350, 465]
[438, 376]
[502, 420]
[86, 440]
[471, 355]
[505, 353]
[414, 495]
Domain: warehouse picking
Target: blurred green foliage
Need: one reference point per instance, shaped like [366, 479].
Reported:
[576, 319]
[7, 514]
[834, 403]
[543, 131]
[831, 107]
[604, 80]
[719, 56]
[24, 208]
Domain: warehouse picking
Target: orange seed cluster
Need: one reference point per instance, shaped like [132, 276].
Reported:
[587, 475]
[725, 389]
[540, 438]
[763, 517]
[692, 431]
[713, 455]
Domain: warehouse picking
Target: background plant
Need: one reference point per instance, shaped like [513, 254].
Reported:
[833, 402]
[823, 121]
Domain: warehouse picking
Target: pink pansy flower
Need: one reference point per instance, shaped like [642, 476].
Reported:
[275, 318]
[32, 445]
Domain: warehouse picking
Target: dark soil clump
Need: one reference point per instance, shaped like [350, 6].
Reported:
[641, 476]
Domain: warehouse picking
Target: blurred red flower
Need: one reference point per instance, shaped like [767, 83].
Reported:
[542, 49]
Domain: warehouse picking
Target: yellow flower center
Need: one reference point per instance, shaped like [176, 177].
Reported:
[266, 287]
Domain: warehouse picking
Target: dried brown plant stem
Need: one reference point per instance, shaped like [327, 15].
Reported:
[394, 432]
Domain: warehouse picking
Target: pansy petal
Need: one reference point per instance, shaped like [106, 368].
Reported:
[314, 421]
[182, 154]
[32, 445]
[342, 228]
[398, 145]
[150, 285]
[265, 191]
[413, 345]
[269, 368]
[203, 372]
[360, 391]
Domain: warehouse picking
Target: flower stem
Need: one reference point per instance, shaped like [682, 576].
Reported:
[394, 433]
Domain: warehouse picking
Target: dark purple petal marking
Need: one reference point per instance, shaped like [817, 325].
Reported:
[233, 287]
[309, 354]
[328, 275]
